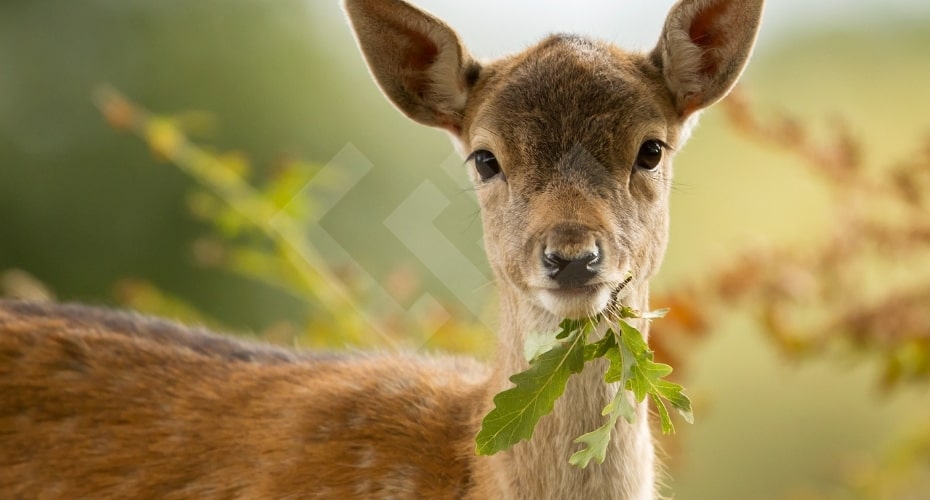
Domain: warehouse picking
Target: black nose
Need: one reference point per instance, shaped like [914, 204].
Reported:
[569, 273]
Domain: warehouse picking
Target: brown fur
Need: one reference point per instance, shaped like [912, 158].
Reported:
[100, 404]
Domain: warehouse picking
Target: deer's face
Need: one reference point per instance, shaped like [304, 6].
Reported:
[570, 149]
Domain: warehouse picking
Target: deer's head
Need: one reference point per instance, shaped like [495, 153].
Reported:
[569, 142]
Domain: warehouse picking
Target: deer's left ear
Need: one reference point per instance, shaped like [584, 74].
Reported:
[704, 47]
[417, 60]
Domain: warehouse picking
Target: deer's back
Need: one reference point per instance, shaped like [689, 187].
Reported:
[102, 404]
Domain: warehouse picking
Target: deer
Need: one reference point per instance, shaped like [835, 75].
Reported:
[569, 145]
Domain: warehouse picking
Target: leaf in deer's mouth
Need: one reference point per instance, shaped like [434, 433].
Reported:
[518, 409]
[553, 360]
[633, 367]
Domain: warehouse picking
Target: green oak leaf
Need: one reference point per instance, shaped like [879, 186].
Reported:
[597, 440]
[633, 367]
[620, 365]
[645, 377]
[554, 358]
[518, 409]
[600, 348]
[568, 326]
[538, 344]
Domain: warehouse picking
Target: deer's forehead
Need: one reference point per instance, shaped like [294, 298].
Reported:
[569, 93]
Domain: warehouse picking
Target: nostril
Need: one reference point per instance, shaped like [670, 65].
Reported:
[554, 263]
[571, 272]
[593, 258]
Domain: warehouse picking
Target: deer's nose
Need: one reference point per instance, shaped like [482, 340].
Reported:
[570, 272]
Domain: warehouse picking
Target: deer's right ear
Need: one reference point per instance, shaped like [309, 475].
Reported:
[416, 59]
[704, 47]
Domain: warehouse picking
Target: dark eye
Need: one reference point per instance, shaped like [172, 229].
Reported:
[486, 164]
[650, 154]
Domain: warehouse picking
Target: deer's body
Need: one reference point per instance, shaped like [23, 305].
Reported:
[101, 404]
[570, 142]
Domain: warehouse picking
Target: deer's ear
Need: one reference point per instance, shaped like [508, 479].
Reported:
[416, 59]
[704, 47]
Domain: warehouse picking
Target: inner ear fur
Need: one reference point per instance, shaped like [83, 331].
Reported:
[704, 47]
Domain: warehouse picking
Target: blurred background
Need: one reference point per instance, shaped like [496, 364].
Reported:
[270, 190]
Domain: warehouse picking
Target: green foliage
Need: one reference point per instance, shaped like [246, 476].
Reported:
[644, 377]
[518, 409]
[633, 367]
[260, 230]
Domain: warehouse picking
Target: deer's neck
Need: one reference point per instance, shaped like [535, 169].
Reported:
[539, 468]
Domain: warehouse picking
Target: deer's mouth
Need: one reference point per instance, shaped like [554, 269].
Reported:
[582, 301]
[577, 301]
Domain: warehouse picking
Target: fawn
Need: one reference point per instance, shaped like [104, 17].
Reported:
[569, 144]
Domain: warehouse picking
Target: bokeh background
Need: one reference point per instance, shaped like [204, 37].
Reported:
[97, 205]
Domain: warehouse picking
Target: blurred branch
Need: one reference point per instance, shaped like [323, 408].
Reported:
[862, 284]
[223, 177]
[167, 141]
[246, 219]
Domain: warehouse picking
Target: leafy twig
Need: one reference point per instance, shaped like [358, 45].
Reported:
[518, 409]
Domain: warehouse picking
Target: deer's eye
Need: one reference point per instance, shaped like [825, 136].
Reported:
[650, 154]
[486, 164]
